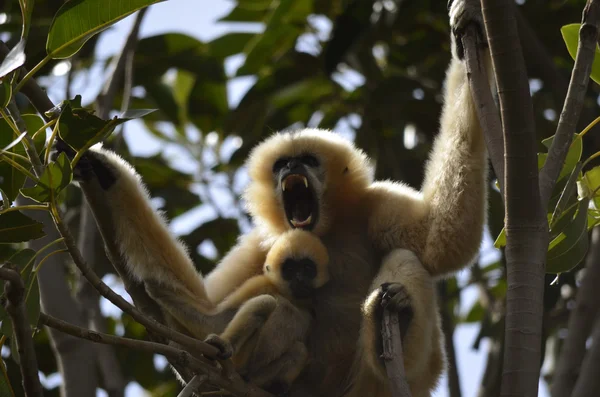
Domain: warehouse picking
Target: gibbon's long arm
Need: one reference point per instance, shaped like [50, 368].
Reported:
[151, 253]
[406, 287]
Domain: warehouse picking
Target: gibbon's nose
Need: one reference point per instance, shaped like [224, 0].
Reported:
[301, 271]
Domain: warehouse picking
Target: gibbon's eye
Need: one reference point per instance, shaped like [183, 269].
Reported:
[268, 268]
[279, 164]
[310, 160]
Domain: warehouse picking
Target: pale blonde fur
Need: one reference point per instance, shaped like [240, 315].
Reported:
[360, 222]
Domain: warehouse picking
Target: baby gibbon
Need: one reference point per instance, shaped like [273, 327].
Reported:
[295, 266]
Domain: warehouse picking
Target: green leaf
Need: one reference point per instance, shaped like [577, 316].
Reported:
[57, 175]
[5, 385]
[230, 44]
[570, 34]
[78, 20]
[11, 179]
[15, 59]
[32, 303]
[475, 315]
[5, 92]
[80, 128]
[13, 143]
[573, 155]
[501, 239]
[569, 248]
[16, 227]
[591, 182]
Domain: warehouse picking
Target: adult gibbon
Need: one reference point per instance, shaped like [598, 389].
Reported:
[386, 243]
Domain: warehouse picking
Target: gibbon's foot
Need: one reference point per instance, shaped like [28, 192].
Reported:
[463, 13]
[225, 348]
[90, 165]
[394, 297]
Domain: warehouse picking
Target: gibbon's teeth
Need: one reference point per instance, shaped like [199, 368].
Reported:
[283, 184]
[305, 182]
[305, 222]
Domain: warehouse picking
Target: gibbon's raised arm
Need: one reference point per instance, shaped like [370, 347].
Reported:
[443, 223]
[151, 253]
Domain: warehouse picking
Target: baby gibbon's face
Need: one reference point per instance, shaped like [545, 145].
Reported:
[297, 263]
[301, 180]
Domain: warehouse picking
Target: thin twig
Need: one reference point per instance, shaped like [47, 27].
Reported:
[588, 38]
[192, 386]
[196, 346]
[15, 306]
[487, 112]
[392, 354]
[211, 374]
[34, 157]
[105, 100]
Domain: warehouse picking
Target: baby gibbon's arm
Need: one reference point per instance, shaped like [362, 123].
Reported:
[408, 289]
[244, 261]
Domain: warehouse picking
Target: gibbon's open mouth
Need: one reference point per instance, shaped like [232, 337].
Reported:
[299, 201]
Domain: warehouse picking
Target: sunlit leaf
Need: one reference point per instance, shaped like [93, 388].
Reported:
[501, 239]
[16, 227]
[570, 34]
[11, 179]
[14, 143]
[57, 175]
[15, 59]
[78, 20]
[80, 128]
[568, 249]
[591, 181]
[573, 155]
[230, 44]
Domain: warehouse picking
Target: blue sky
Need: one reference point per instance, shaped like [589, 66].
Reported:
[198, 18]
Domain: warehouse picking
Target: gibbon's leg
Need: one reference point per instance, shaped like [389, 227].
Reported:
[151, 253]
[285, 370]
[248, 319]
[403, 285]
[455, 185]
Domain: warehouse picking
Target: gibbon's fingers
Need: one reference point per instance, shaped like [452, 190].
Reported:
[403, 284]
[225, 348]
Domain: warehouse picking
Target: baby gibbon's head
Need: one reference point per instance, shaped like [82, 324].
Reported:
[297, 264]
[304, 179]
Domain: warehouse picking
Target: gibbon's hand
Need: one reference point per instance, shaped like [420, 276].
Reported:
[225, 348]
[395, 297]
[462, 13]
[90, 165]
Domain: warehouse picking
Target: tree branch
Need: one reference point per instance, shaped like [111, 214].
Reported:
[192, 386]
[588, 39]
[15, 306]
[196, 346]
[526, 224]
[588, 383]
[211, 374]
[392, 354]
[487, 112]
[581, 320]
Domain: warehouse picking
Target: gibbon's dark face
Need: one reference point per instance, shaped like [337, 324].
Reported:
[297, 179]
[300, 276]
